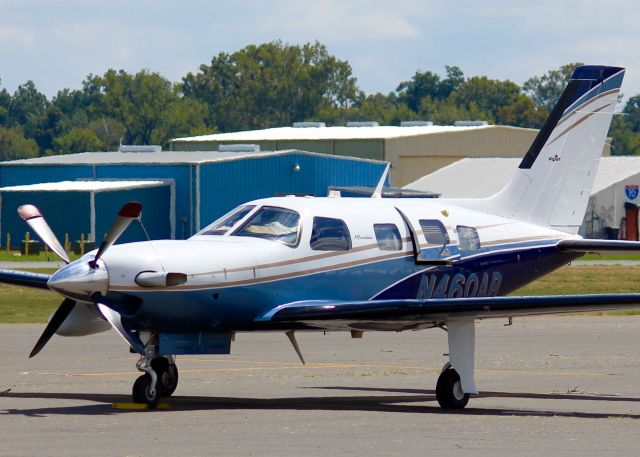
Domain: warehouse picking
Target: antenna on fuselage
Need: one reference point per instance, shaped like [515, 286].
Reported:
[378, 192]
[292, 337]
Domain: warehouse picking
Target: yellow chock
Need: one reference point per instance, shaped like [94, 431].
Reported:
[139, 406]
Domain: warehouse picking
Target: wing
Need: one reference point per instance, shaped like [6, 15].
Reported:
[415, 314]
[572, 245]
[24, 279]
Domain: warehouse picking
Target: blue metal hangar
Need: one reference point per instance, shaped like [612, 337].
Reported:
[181, 192]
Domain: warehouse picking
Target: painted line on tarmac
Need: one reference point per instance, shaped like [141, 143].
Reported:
[318, 366]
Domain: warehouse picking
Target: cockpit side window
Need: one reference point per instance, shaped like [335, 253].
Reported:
[272, 223]
[434, 232]
[328, 234]
[388, 237]
[228, 221]
[468, 238]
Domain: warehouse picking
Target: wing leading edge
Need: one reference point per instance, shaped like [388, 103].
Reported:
[573, 245]
[24, 279]
[384, 313]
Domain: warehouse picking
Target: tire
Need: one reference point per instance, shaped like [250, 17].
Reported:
[167, 375]
[449, 390]
[142, 392]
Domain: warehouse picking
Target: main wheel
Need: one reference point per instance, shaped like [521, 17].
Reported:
[143, 392]
[167, 375]
[449, 390]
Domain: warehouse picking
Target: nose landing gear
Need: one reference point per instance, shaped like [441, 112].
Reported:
[160, 379]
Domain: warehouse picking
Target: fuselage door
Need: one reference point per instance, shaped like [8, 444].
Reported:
[430, 240]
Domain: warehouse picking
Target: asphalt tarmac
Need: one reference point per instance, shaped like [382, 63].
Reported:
[552, 385]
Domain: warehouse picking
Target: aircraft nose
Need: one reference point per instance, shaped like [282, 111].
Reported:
[79, 280]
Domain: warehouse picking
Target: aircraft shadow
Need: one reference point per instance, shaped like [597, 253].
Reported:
[407, 401]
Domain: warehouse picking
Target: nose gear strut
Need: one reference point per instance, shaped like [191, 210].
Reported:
[160, 376]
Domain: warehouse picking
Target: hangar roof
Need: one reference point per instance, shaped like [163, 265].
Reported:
[482, 177]
[334, 133]
[162, 157]
[84, 186]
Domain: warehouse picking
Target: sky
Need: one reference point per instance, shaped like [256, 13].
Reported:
[57, 44]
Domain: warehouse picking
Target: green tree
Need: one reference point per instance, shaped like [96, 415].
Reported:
[77, 140]
[271, 84]
[14, 145]
[625, 129]
[522, 112]
[545, 90]
[428, 84]
[28, 109]
[137, 101]
[5, 106]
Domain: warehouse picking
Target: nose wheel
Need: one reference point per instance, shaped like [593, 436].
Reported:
[146, 391]
[160, 379]
[167, 371]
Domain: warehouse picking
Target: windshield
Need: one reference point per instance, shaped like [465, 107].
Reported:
[271, 223]
[226, 222]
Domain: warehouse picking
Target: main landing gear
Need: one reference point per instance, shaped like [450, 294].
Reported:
[160, 379]
[449, 391]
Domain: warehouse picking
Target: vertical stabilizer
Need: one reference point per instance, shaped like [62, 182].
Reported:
[554, 180]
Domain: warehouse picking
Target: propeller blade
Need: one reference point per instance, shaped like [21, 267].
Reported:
[115, 320]
[32, 216]
[56, 321]
[127, 213]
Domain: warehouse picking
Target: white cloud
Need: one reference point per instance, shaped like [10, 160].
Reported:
[57, 44]
[335, 20]
[12, 36]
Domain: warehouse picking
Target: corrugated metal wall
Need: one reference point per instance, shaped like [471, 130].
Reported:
[365, 149]
[155, 212]
[66, 212]
[412, 168]
[182, 174]
[224, 185]
[494, 141]
[16, 175]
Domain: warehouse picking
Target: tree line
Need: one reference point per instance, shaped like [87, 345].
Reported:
[269, 85]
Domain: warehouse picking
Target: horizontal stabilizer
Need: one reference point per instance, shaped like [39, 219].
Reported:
[373, 313]
[24, 279]
[598, 246]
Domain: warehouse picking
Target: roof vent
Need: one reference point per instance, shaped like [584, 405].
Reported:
[363, 124]
[307, 125]
[470, 123]
[137, 148]
[239, 148]
[416, 124]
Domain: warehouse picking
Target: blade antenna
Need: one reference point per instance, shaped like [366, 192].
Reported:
[377, 193]
[292, 337]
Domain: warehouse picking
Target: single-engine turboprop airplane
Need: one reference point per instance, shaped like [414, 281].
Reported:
[339, 264]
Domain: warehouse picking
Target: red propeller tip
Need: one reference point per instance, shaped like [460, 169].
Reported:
[131, 209]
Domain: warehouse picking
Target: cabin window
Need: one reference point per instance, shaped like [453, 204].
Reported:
[468, 238]
[388, 237]
[328, 234]
[226, 222]
[434, 232]
[272, 223]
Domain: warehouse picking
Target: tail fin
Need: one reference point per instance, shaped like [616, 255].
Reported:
[554, 180]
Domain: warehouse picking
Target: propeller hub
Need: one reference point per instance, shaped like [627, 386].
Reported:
[80, 280]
